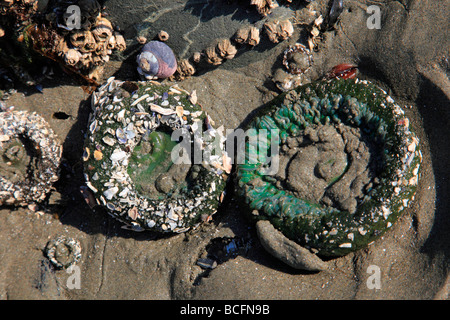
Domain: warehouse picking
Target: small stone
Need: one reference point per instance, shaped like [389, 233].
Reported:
[287, 250]
[206, 263]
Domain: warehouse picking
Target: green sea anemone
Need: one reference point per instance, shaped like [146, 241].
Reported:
[148, 160]
[349, 165]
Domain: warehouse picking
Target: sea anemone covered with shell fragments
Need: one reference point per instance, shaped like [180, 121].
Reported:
[348, 166]
[128, 160]
[30, 157]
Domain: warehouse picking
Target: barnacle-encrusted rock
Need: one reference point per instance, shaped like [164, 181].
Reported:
[94, 40]
[142, 176]
[348, 165]
[30, 156]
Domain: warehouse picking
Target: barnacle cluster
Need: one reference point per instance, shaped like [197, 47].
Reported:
[349, 165]
[220, 50]
[82, 45]
[128, 156]
[29, 159]
[264, 7]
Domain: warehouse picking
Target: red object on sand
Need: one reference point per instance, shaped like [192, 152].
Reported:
[342, 71]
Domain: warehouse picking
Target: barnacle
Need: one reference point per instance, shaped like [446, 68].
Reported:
[184, 70]
[349, 165]
[212, 57]
[226, 49]
[133, 171]
[264, 7]
[248, 34]
[102, 29]
[278, 30]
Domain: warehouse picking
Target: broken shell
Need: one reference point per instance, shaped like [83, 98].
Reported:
[193, 97]
[156, 60]
[98, 155]
[108, 140]
[86, 154]
[163, 36]
[121, 136]
[161, 110]
[179, 110]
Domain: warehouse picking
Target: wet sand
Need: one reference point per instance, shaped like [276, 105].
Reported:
[408, 57]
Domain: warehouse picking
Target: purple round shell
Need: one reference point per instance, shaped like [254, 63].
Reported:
[156, 60]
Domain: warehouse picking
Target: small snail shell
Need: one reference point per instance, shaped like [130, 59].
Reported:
[156, 60]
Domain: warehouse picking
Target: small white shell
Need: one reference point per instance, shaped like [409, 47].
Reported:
[163, 111]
